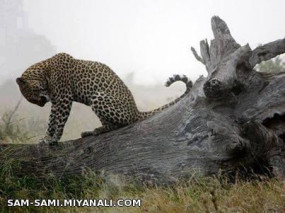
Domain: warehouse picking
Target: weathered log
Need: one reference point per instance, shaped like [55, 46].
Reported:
[234, 118]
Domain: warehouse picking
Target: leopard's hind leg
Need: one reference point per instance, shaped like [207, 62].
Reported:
[99, 130]
[112, 112]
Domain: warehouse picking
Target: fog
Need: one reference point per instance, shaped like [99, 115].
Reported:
[151, 38]
[144, 42]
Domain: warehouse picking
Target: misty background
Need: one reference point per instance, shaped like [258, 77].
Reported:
[144, 42]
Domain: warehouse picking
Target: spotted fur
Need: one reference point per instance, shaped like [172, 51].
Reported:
[62, 79]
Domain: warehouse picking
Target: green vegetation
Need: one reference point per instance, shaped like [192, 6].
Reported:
[194, 195]
[10, 130]
[274, 65]
[14, 129]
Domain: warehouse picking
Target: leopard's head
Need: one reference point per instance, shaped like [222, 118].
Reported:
[35, 91]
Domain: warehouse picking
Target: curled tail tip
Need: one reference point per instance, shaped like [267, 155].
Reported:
[175, 78]
[167, 84]
[169, 81]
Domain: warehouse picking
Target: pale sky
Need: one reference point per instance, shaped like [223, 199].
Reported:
[151, 38]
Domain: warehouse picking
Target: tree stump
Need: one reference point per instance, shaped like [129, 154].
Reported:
[232, 120]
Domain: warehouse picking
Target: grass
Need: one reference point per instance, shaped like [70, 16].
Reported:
[16, 130]
[10, 130]
[195, 195]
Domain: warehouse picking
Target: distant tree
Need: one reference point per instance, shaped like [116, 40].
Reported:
[275, 65]
[19, 45]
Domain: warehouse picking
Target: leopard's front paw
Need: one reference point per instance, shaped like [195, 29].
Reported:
[47, 140]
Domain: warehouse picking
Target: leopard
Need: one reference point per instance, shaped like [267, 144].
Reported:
[63, 79]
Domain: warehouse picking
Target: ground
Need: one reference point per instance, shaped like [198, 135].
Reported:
[198, 194]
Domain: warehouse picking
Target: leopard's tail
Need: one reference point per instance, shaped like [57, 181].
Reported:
[171, 80]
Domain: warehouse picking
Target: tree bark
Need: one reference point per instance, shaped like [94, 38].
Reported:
[232, 120]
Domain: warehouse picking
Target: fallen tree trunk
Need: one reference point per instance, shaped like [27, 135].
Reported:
[234, 118]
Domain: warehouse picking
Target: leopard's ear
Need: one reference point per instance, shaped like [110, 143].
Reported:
[20, 81]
